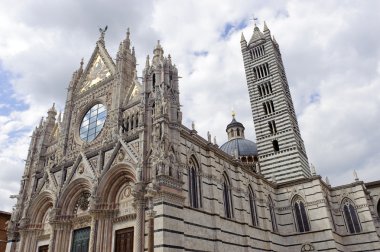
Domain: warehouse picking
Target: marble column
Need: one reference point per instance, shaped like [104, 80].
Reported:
[92, 247]
[151, 215]
[139, 228]
[52, 239]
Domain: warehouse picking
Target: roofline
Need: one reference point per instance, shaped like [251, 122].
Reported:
[5, 213]
[372, 184]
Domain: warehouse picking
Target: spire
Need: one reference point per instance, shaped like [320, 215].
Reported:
[147, 62]
[80, 70]
[242, 39]
[52, 109]
[127, 39]
[52, 112]
[128, 34]
[41, 122]
[274, 41]
[265, 26]
[158, 52]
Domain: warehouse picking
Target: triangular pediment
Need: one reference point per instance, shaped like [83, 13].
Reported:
[99, 68]
[82, 168]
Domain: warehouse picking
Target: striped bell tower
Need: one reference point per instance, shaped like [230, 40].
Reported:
[281, 150]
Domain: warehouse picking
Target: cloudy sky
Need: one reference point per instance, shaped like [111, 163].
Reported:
[330, 49]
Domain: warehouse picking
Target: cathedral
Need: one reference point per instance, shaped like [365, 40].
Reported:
[118, 171]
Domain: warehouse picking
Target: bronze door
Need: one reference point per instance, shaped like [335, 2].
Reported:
[44, 248]
[124, 240]
[81, 238]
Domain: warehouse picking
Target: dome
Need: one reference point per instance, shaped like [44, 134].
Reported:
[244, 147]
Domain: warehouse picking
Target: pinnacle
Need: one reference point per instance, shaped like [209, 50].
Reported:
[147, 61]
[274, 40]
[158, 46]
[265, 26]
[128, 33]
[53, 107]
[242, 37]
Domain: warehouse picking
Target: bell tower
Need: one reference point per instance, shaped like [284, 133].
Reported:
[281, 150]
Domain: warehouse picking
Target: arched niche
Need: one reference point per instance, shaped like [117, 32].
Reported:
[116, 184]
[72, 194]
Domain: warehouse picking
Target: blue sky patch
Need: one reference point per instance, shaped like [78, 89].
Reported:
[230, 27]
[200, 53]
[8, 101]
[314, 97]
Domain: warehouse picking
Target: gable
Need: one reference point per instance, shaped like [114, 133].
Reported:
[97, 72]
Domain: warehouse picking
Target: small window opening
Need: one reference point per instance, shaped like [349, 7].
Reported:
[154, 82]
[265, 109]
[276, 146]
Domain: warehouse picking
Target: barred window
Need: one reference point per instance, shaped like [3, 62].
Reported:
[300, 215]
[261, 71]
[265, 89]
[272, 214]
[195, 183]
[268, 107]
[227, 197]
[272, 127]
[350, 216]
[252, 207]
[257, 52]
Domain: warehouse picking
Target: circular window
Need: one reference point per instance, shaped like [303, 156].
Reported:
[92, 122]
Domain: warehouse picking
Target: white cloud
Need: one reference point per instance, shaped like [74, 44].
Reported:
[330, 51]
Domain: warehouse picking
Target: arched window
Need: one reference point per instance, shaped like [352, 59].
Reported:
[272, 215]
[252, 207]
[227, 197]
[195, 182]
[350, 216]
[300, 215]
[378, 208]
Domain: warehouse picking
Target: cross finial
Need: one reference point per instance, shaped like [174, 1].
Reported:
[255, 19]
[233, 113]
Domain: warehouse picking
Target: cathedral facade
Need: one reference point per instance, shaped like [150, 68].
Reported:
[120, 172]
